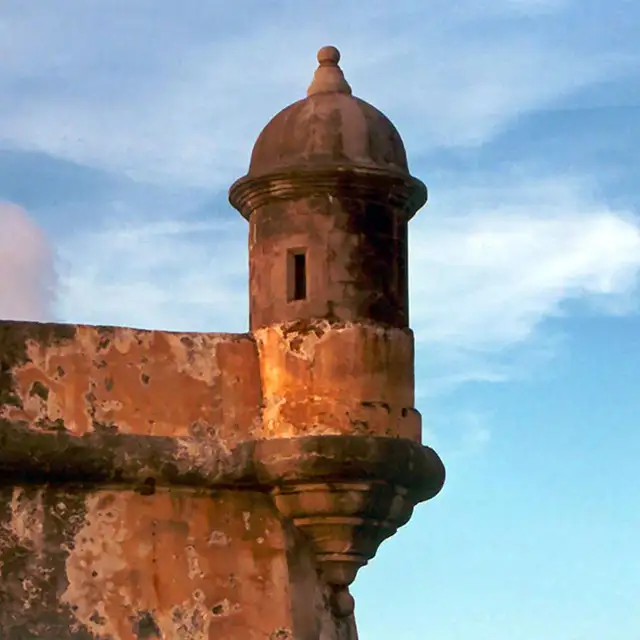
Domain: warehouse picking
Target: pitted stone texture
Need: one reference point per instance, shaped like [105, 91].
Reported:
[115, 565]
[81, 379]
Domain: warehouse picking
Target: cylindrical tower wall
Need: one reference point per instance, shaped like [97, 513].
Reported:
[345, 379]
[333, 257]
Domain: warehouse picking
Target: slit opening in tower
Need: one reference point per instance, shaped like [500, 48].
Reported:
[297, 275]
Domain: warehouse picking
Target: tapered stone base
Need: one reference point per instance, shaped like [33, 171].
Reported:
[349, 502]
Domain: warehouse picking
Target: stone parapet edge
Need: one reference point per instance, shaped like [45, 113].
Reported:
[102, 457]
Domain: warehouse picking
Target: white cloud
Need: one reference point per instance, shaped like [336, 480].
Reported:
[490, 265]
[27, 270]
[168, 101]
[486, 278]
[169, 274]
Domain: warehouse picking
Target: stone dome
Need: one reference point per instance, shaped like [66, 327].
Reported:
[330, 127]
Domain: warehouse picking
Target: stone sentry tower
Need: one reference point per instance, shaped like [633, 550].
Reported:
[168, 485]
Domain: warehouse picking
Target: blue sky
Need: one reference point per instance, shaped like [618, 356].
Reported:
[122, 124]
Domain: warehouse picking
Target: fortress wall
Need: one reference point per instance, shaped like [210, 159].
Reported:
[80, 379]
[88, 563]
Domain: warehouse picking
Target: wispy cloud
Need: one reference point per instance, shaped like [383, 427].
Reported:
[492, 263]
[27, 270]
[187, 111]
[483, 282]
[505, 257]
[170, 274]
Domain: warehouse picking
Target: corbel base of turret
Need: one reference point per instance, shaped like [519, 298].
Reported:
[347, 494]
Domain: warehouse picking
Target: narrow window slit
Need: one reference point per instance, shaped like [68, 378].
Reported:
[297, 276]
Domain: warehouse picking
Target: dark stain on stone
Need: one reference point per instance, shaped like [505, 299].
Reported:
[202, 430]
[14, 561]
[96, 618]
[105, 330]
[51, 425]
[104, 455]
[147, 487]
[7, 397]
[106, 335]
[145, 378]
[104, 427]
[375, 404]
[108, 383]
[145, 626]
[177, 615]
[358, 424]
[40, 390]
[296, 343]
[14, 337]
[27, 568]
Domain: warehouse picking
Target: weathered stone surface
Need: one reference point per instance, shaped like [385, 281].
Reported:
[89, 563]
[82, 379]
[342, 458]
[352, 227]
[146, 463]
[161, 485]
[348, 378]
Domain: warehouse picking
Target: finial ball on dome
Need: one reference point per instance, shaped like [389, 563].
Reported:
[329, 55]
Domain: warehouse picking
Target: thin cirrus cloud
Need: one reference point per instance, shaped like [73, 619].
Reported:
[185, 112]
[27, 267]
[170, 274]
[490, 265]
[516, 256]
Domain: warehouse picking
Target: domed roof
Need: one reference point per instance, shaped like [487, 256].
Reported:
[330, 127]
